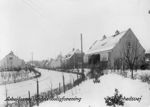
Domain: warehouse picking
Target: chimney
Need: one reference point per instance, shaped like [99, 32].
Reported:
[104, 37]
[116, 33]
[73, 49]
[11, 53]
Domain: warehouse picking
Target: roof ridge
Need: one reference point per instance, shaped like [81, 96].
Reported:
[113, 35]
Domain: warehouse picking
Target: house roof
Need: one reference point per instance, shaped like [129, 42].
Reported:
[11, 54]
[71, 53]
[106, 44]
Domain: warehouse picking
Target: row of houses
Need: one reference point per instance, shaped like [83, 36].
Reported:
[71, 60]
[114, 49]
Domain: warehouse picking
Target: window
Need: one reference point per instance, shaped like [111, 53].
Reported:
[104, 56]
[10, 58]
[129, 44]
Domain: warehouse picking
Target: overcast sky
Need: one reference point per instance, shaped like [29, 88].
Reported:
[50, 27]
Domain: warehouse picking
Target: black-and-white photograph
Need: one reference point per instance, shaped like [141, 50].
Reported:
[74, 53]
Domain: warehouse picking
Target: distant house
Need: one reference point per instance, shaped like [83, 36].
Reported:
[73, 59]
[56, 63]
[11, 61]
[108, 49]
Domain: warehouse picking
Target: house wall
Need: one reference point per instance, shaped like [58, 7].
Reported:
[74, 61]
[55, 63]
[11, 61]
[120, 47]
[86, 59]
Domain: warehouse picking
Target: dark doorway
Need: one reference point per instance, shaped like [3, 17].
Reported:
[94, 59]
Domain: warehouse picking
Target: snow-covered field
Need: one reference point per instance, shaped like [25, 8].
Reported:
[11, 76]
[140, 73]
[93, 94]
[47, 77]
[136, 74]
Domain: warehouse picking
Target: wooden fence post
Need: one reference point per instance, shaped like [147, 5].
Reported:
[29, 99]
[51, 90]
[64, 84]
[6, 95]
[59, 88]
[37, 93]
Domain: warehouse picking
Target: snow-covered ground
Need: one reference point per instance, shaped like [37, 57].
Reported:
[93, 94]
[136, 74]
[47, 77]
[140, 73]
[10, 76]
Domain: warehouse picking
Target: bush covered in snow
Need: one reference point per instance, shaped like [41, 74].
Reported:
[15, 76]
[117, 99]
[145, 78]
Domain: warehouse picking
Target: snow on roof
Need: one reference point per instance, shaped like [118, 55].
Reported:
[105, 44]
[11, 54]
[71, 53]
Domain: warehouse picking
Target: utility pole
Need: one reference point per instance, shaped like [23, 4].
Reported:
[49, 63]
[74, 61]
[32, 58]
[82, 70]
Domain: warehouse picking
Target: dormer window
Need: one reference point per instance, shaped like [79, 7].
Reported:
[129, 44]
[116, 33]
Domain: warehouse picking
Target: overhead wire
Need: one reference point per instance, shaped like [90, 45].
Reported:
[30, 4]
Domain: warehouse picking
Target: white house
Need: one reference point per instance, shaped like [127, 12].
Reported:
[111, 48]
[73, 59]
[56, 63]
[11, 61]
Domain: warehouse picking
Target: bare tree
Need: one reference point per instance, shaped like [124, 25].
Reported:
[131, 55]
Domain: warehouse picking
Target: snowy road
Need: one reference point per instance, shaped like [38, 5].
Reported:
[47, 77]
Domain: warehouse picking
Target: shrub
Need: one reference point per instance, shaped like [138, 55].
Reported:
[123, 73]
[144, 66]
[145, 78]
[117, 99]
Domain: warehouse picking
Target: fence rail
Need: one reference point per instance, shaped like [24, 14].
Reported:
[44, 95]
